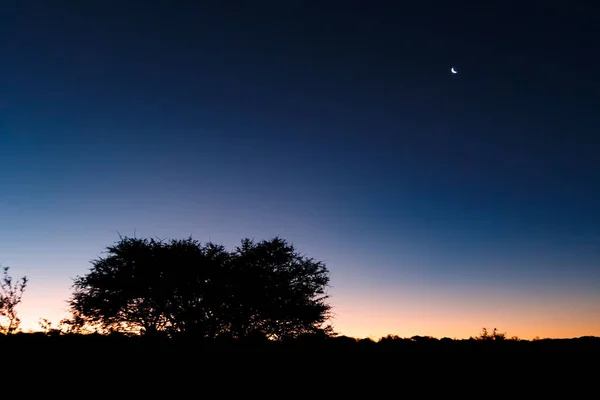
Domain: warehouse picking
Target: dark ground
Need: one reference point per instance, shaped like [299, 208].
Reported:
[114, 366]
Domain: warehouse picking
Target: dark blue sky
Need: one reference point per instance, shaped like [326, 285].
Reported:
[337, 125]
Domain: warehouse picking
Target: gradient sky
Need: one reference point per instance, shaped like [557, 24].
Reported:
[440, 203]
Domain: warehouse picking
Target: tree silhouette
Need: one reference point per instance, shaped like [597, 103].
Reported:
[183, 288]
[117, 293]
[10, 296]
[192, 291]
[276, 291]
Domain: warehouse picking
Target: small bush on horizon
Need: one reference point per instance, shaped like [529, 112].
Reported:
[493, 336]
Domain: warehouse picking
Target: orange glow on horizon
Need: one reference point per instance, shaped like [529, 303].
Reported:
[374, 323]
[416, 310]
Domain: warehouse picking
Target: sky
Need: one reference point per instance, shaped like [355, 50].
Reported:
[441, 203]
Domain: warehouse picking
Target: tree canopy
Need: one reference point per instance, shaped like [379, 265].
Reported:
[182, 287]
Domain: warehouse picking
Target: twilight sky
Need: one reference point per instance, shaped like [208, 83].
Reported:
[441, 203]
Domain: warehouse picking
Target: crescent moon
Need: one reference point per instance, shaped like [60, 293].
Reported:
[453, 70]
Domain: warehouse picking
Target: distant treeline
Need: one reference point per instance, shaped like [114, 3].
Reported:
[123, 344]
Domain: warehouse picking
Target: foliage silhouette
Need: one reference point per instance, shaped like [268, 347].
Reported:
[64, 327]
[122, 346]
[495, 335]
[185, 289]
[10, 297]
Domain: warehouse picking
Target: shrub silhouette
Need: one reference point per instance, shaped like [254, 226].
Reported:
[186, 289]
[10, 297]
[494, 336]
